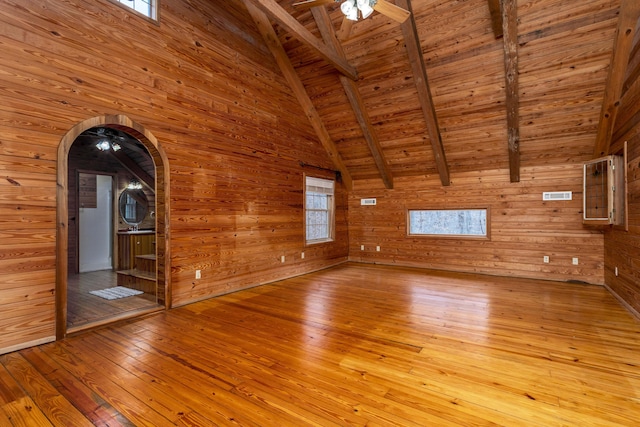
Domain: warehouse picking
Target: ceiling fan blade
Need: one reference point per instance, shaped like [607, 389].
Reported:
[306, 4]
[392, 11]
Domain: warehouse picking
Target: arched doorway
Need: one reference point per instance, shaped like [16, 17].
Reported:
[122, 124]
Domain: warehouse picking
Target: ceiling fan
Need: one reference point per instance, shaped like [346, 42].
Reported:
[352, 8]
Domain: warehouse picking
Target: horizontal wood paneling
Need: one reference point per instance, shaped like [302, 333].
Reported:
[203, 83]
[523, 227]
[622, 248]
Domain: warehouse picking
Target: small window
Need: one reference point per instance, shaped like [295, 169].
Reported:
[319, 210]
[449, 222]
[146, 7]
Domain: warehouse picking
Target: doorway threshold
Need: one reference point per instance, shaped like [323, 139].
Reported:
[75, 329]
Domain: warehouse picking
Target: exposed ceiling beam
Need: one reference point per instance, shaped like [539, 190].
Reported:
[414, 50]
[510, 33]
[133, 167]
[392, 11]
[325, 26]
[496, 17]
[301, 33]
[273, 43]
[627, 24]
[383, 6]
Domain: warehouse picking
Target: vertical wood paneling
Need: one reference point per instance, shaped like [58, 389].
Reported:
[206, 87]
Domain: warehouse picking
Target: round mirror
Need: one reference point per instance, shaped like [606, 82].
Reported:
[133, 205]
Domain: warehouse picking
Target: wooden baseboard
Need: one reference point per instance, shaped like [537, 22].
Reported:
[23, 345]
[259, 284]
[623, 302]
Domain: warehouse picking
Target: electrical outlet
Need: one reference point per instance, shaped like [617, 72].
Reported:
[362, 247]
[302, 255]
[282, 258]
[545, 259]
[616, 271]
[574, 261]
[198, 274]
[378, 248]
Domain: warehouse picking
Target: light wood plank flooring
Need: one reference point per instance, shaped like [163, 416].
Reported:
[352, 345]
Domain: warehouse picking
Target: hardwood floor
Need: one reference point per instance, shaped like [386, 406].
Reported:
[352, 345]
[87, 310]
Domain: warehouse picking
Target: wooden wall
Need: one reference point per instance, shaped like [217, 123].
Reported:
[524, 228]
[207, 88]
[622, 248]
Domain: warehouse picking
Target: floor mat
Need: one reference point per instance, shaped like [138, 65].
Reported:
[116, 293]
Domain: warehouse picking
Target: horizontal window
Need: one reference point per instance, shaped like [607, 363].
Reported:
[449, 222]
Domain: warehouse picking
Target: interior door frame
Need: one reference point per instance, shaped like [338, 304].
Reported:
[114, 218]
[163, 249]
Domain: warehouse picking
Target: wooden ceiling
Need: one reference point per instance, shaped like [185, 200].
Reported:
[381, 124]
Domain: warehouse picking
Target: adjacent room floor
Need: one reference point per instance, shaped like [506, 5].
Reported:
[85, 309]
[351, 345]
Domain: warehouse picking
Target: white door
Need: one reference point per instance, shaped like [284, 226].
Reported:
[96, 229]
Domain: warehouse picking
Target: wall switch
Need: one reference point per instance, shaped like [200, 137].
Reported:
[545, 259]
[282, 258]
[198, 274]
[302, 255]
[378, 248]
[574, 261]
[362, 247]
[616, 271]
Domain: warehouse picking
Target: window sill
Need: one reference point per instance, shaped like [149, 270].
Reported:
[318, 241]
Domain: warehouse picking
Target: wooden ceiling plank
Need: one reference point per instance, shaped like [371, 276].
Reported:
[496, 17]
[306, 4]
[627, 24]
[414, 50]
[301, 33]
[355, 99]
[273, 43]
[510, 39]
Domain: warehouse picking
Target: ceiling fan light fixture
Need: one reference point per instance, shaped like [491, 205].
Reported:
[349, 9]
[103, 145]
[365, 8]
[106, 145]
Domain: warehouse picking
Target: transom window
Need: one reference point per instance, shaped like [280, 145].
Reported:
[146, 7]
[449, 222]
[319, 209]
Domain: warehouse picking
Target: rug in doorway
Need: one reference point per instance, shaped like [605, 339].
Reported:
[116, 293]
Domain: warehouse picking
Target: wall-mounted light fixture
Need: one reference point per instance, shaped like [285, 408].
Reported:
[134, 184]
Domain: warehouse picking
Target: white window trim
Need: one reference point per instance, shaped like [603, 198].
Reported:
[486, 236]
[326, 186]
[155, 10]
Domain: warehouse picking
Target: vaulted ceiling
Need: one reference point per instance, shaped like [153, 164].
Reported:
[381, 124]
